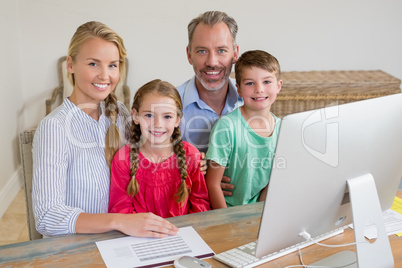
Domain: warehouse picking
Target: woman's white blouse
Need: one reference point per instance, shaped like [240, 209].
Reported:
[70, 173]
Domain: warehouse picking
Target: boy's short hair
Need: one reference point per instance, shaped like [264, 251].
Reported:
[257, 58]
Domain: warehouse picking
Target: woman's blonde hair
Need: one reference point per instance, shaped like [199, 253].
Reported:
[94, 29]
[165, 89]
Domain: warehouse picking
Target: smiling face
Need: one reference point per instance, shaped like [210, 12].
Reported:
[95, 70]
[212, 55]
[157, 117]
[258, 88]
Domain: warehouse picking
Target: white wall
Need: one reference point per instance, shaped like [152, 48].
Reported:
[303, 35]
[11, 112]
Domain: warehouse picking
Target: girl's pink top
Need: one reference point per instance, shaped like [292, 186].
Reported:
[158, 183]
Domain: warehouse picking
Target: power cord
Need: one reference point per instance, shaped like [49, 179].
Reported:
[307, 236]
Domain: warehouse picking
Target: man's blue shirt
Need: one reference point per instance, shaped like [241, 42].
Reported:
[198, 118]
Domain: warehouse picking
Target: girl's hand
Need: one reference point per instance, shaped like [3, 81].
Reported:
[145, 225]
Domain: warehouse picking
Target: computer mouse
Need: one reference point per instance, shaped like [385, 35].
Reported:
[191, 262]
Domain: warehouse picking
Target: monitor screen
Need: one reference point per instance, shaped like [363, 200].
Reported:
[317, 153]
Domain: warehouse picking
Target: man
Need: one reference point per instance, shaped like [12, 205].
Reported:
[210, 94]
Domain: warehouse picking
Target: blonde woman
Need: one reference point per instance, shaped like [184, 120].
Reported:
[74, 145]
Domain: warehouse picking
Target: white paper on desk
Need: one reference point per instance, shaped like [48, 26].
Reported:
[392, 222]
[153, 252]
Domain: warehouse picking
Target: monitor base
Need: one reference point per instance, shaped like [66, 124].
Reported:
[346, 259]
[366, 210]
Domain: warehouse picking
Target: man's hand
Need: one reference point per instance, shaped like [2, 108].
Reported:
[203, 164]
[225, 185]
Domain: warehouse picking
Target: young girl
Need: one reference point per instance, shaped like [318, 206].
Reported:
[157, 172]
[74, 145]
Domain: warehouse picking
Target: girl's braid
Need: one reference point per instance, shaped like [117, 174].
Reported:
[177, 141]
[132, 188]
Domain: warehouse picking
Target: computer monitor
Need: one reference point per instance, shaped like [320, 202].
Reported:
[325, 157]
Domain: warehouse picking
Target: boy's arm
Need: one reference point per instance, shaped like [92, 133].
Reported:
[225, 182]
[263, 194]
[213, 179]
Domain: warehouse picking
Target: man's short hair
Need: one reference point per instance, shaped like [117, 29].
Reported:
[212, 18]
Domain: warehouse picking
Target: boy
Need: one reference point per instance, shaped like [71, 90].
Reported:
[242, 143]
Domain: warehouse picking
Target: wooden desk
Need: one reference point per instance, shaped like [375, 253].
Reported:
[221, 229]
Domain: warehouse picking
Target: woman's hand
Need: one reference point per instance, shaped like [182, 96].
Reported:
[145, 225]
[139, 224]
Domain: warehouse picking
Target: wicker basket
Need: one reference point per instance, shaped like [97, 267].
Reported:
[302, 91]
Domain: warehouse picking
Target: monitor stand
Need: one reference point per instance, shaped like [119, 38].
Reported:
[366, 209]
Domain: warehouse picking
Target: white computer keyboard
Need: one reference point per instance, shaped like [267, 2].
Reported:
[244, 256]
